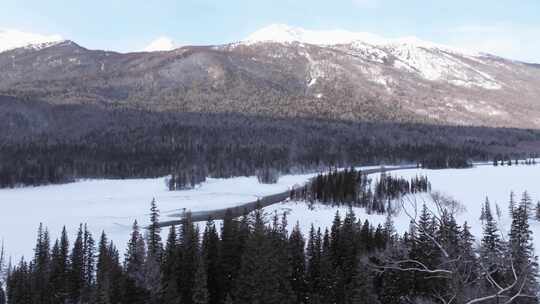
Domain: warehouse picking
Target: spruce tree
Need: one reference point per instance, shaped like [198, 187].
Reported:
[258, 280]
[155, 247]
[169, 292]
[491, 249]
[211, 263]
[41, 267]
[329, 274]
[200, 287]
[134, 260]
[89, 256]
[103, 272]
[521, 247]
[425, 250]
[297, 261]
[189, 254]
[231, 250]
[59, 278]
[76, 276]
[153, 258]
[348, 248]
[313, 272]
[135, 266]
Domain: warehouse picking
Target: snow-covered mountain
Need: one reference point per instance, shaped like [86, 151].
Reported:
[285, 71]
[411, 54]
[11, 39]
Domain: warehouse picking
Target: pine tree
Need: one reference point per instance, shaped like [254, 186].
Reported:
[348, 248]
[135, 256]
[155, 247]
[189, 255]
[200, 288]
[169, 292]
[279, 244]
[41, 267]
[362, 289]
[211, 263]
[335, 240]
[76, 276]
[466, 251]
[89, 256]
[512, 204]
[537, 214]
[60, 268]
[103, 272]
[258, 279]
[329, 274]
[231, 250]
[313, 272]
[483, 213]
[135, 266]
[153, 261]
[297, 260]
[389, 230]
[491, 250]
[425, 250]
[521, 247]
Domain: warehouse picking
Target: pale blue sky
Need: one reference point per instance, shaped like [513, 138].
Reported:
[504, 27]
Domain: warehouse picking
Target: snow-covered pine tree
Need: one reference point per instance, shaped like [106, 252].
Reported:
[134, 259]
[491, 244]
[521, 250]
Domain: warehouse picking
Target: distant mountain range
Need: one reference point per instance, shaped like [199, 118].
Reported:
[287, 72]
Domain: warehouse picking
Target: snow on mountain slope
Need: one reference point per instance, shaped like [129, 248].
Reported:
[284, 33]
[11, 39]
[430, 61]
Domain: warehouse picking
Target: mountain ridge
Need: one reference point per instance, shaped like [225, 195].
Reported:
[354, 81]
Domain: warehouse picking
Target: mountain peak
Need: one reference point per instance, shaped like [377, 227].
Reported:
[13, 39]
[286, 34]
[282, 33]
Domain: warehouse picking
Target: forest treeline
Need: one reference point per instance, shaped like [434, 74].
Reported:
[256, 260]
[42, 144]
[354, 188]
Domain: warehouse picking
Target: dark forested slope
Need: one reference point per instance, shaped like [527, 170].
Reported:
[42, 143]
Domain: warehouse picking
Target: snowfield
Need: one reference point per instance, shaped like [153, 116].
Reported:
[113, 205]
[468, 186]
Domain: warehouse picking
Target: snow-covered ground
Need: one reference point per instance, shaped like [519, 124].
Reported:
[113, 205]
[468, 186]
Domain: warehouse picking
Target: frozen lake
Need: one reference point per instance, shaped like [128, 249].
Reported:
[113, 205]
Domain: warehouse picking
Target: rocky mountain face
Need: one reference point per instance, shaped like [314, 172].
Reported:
[286, 72]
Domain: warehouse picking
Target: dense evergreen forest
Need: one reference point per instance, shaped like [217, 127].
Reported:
[354, 188]
[42, 144]
[253, 260]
